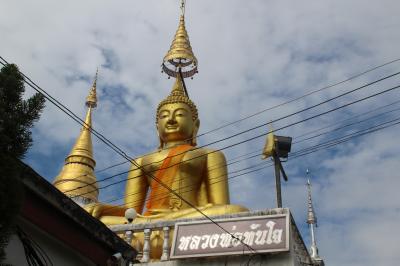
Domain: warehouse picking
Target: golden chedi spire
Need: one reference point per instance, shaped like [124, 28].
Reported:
[91, 100]
[77, 178]
[176, 62]
[180, 58]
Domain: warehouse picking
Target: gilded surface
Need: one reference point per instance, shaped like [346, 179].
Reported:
[77, 176]
[180, 58]
[199, 178]
[180, 47]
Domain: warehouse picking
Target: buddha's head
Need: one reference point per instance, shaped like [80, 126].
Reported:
[177, 117]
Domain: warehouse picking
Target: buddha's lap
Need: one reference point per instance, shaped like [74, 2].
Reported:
[212, 210]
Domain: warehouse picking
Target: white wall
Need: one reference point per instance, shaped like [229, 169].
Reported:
[58, 252]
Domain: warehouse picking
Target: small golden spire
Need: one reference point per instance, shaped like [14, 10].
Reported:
[91, 100]
[77, 176]
[177, 89]
[183, 3]
[180, 57]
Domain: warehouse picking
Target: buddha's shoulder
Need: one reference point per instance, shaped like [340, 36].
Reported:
[208, 152]
[152, 157]
[160, 155]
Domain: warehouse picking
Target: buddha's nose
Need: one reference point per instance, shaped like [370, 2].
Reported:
[171, 120]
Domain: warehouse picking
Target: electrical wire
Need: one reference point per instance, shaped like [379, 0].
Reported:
[133, 161]
[347, 137]
[349, 119]
[276, 106]
[302, 110]
[347, 125]
[295, 153]
[34, 253]
[282, 104]
[121, 152]
[275, 130]
[166, 195]
[259, 151]
[289, 115]
[115, 148]
[253, 128]
[216, 177]
[300, 97]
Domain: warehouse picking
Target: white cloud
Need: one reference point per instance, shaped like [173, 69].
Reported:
[252, 55]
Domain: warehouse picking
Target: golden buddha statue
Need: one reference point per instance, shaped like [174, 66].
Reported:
[194, 176]
[197, 175]
[176, 181]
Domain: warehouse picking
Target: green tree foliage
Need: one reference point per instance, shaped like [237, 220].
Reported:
[16, 120]
[16, 115]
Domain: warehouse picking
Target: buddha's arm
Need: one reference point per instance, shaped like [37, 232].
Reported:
[217, 178]
[136, 188]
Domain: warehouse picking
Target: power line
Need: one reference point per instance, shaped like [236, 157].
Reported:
[290, 157]
[292, 114]
[258, 151]
[275, 130]
[214, 167]
[347, 125]
[217, 177]
[121, 152]
[303, 110]
[292, 154]
[303, 150]
[262, 125]
[350, 118]
[110, 144]
[300, 153]
[285, 103]
[300, 97]
[115, 148]
[200, 212]
[347, 137]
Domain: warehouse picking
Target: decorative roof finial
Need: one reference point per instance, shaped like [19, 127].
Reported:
[78, 170]
[180, 59]
[312, 220]
[183, 3]
[91, 100]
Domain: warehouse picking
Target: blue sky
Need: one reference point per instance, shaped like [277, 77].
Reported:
[252, 55]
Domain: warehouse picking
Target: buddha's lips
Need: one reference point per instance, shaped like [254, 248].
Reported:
[172, 127]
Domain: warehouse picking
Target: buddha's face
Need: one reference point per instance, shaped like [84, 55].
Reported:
[175, 122]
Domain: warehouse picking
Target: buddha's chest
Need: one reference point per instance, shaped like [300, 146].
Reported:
[187, 169]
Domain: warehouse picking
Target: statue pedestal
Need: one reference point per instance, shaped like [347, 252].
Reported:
[268, 237]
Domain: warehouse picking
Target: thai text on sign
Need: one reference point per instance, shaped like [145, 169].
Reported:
[262, 233]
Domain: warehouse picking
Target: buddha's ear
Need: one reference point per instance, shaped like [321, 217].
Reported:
[159, 139]
[195, 131]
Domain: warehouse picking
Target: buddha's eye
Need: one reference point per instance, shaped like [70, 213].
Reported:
[163, 115]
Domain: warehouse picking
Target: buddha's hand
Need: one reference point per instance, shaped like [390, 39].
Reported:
[94, 209]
